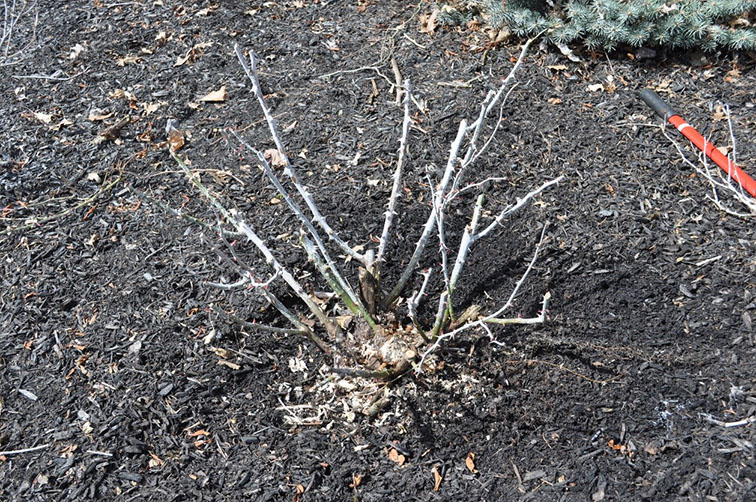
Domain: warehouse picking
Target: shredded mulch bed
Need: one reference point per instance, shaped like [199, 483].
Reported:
[119, 380]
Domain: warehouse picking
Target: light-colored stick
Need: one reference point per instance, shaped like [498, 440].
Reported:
[251, 72]
[716, 180]
[511, 210]
[267, 169]
[355, 308]
[244, 228]
[466, 242]
[479, 323]
[430, 222]
[397, 186]
[8, 453]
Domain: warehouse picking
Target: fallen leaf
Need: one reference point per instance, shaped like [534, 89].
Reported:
[27, 394]
[175, 139]
[356, 480]
[470, 463]
[719, 114]
[180, 60]
[429, 22]
[45, 118]
[567, 52]
[215, 96]
[274, 157]
[231, 365]
[497, 37]
[150, 107]
[396, 457]
[93, 176]
[299, 491]
[201, 432]
[96, 115]
[595, 87]
[75, 51]
[155, 461]
[128, 60]
[554, 101]
[557, 67]
[437, 479]
[64, 122]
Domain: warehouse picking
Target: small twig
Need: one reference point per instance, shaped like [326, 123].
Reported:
[251, 235]
[48, 77]
[397, 186]
[728, 425]
[397, 80]
[36, 222]
[514, 208]
[251, 72]
[479, 323]
[431, 221]
[181, 214]
[267, 169]
[540, 319]
[414, 301]
[8, 453]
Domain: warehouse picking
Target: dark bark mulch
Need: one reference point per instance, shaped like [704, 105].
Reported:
[113, 364]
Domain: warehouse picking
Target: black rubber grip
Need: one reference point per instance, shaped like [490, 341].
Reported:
[653, 100]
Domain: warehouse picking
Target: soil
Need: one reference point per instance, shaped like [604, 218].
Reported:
[120, 381]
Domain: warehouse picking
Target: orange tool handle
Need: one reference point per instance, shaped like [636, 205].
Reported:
[670, 115]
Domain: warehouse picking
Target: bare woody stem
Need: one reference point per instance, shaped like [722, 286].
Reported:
[397, 186]
[429, 224]
[251, 72]
[245, 229]
[472, 153]
[300, 214]
[355, 308]
[492, 318]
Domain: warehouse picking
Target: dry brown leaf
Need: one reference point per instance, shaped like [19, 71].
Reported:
[436, 479]
[554, 101]
[299, 491]
[97, 115]
[356, 480]
[45, 118]
[155, 461]
[274, 157]
[719, 114]
[557, 67]
[128, 60]
[75, 51]
[396, 457]
[496, 37]
[233, 366]
[215, 96]
[175, 139]
[150, 107]
[429, 22]
[470, 463]
[64, 122]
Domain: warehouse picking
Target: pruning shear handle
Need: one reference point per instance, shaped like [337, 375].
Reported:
[656, 103]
